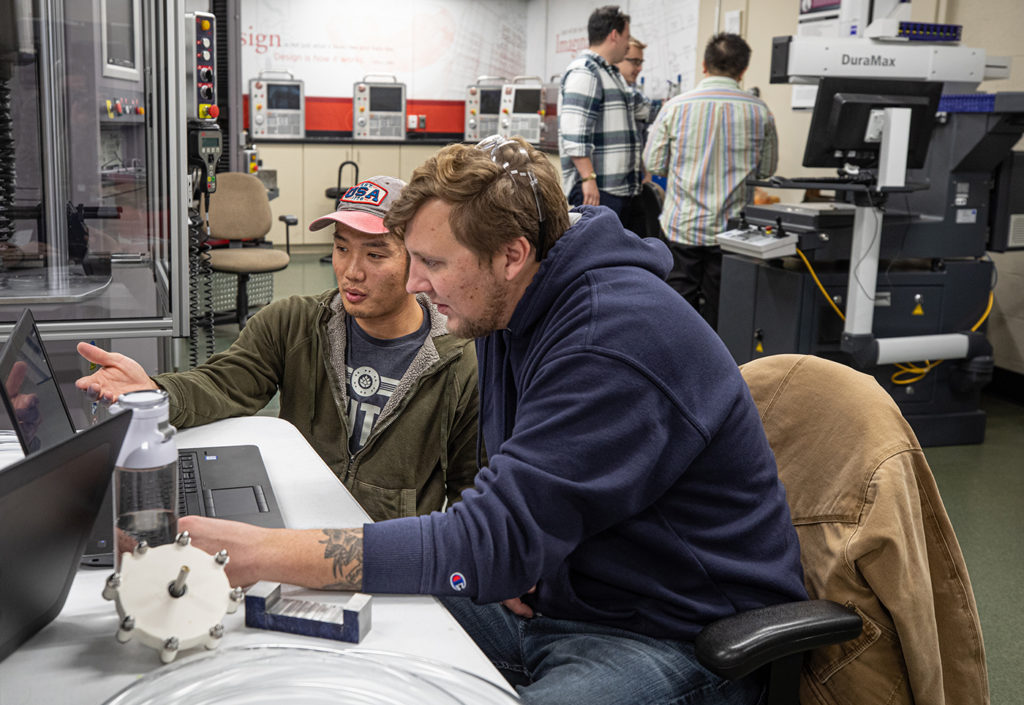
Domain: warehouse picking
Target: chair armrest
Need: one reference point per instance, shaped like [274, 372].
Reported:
[288, 219]
[737, 645]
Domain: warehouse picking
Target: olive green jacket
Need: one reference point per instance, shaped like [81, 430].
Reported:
[422, 451]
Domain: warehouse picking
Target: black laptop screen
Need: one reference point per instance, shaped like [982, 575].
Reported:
[34, 402]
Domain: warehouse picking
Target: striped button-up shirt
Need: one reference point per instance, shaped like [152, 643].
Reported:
[596, 119]
[707, 142]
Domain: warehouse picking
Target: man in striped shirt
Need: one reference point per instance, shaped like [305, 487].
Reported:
[708, 142]
[598, 141]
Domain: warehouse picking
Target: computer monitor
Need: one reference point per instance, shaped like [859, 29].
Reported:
[490, 100]
[842, 111]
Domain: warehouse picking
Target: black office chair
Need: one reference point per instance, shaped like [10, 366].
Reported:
[335, 192]
[776, 638]
[918, 639]
[289, 221]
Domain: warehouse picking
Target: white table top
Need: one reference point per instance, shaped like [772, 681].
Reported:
[76, 659]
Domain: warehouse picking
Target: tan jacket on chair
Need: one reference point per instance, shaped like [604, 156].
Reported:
[874, 535]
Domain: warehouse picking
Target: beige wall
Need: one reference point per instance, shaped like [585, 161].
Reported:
[994, 26]
[306, 171]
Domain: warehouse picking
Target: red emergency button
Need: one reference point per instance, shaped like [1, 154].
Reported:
[213, 111]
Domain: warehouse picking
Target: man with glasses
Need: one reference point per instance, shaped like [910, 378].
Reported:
[630, 68]
[598, 140]
[708, 142]
[630, 496]
[633, 63]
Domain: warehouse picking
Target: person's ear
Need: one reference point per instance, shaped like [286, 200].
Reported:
[515, 255]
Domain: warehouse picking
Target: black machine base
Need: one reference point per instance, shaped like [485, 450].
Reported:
[950, 429]
[771, 308]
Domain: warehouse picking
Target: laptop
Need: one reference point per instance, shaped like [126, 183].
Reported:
[48, 505]
[228, 482]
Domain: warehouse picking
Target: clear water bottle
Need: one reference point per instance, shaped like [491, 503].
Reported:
[146, 475]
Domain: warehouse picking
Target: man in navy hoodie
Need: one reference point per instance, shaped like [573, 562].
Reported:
[630, 495]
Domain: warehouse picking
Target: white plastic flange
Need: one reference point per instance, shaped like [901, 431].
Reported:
[144, 592]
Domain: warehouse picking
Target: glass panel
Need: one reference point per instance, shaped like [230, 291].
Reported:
[83, 224]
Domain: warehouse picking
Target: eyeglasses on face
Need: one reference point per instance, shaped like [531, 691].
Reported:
[515, 160]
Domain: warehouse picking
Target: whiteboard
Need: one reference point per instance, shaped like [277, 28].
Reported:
[435, 47]
[667, 27]
[438, 47]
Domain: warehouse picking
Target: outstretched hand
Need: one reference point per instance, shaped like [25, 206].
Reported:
[117, 374]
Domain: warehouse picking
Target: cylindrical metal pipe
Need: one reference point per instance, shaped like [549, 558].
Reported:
[177, 588]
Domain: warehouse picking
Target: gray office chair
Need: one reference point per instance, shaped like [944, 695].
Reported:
[240, 213]
[874, 536]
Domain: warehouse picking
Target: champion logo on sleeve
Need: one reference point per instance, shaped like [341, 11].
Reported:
[458, 582]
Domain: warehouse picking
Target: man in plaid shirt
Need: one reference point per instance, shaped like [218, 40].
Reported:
[598, 140]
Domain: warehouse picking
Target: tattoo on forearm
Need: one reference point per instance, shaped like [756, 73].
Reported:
[344, 548]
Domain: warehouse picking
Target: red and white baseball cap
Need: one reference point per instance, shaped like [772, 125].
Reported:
[364, 205]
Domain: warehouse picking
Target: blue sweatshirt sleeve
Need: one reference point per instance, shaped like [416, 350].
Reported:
[574, 464]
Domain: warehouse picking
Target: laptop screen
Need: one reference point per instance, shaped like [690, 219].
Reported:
[30, 392]
[48, 505]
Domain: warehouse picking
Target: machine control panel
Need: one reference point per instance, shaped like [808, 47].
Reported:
[483, 105]
[549, 126]
[522, 110]
[200, 69]
[758, 242]
[378, 110]
[277, 107]
[206, 145]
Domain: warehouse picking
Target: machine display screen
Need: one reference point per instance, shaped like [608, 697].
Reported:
[210, 142]
[284, 96]
[526, 100]
[490, 101]
[120, 33]
[386, 99]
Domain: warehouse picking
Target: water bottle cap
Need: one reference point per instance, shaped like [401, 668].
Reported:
[142, 399]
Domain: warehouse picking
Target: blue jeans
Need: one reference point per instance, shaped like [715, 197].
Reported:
[560, 662]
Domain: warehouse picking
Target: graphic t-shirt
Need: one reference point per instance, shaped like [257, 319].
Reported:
[373, 370]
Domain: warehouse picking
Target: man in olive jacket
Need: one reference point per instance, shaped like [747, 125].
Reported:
[367, 372]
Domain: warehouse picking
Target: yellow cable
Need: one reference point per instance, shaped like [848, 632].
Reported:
[902, 368]
[820, 285]
[988, 310]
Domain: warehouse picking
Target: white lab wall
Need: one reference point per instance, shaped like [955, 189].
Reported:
[438, 47]
[435, 47]
[668, 27]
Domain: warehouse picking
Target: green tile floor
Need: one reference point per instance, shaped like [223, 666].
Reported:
[982, 487]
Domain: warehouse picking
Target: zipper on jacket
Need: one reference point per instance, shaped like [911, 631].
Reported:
[379, 428]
